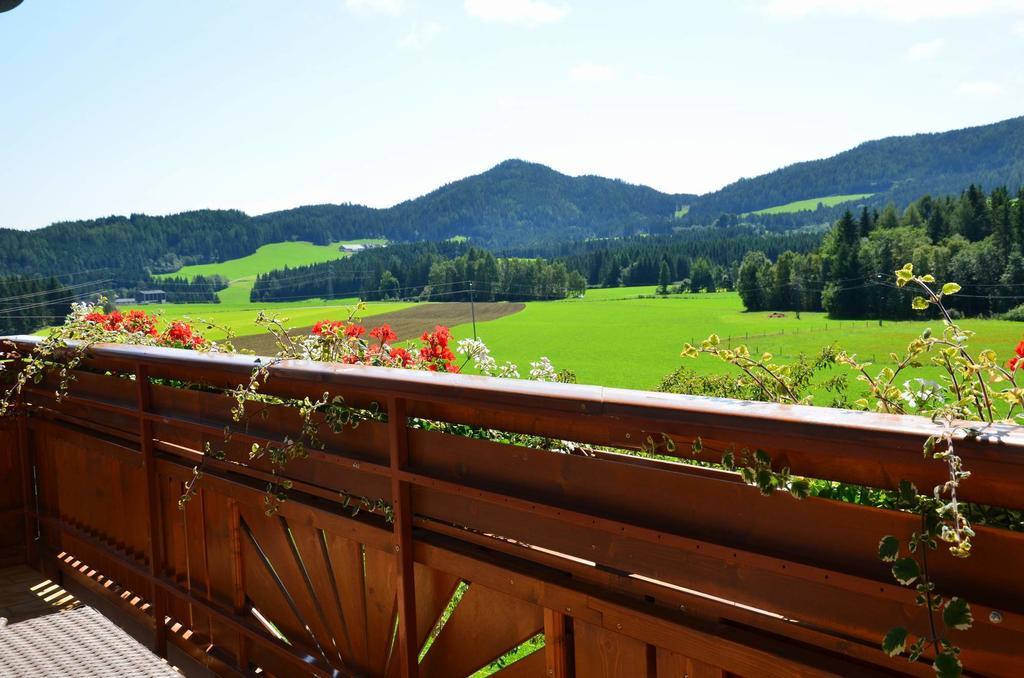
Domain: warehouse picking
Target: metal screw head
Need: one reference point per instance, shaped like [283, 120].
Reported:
[995, 616]
[568, 610]
[397, 548]
[618, 627]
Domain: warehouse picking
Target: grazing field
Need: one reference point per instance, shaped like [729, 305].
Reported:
[811, 204]
[610, 340]
[242, 272]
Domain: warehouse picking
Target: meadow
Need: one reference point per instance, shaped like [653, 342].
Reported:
[610, 339]
[241, 273]
[811, 204]
[235, 311]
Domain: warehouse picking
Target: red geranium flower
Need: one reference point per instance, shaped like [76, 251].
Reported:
[328, 327]
[1016, 360]
[384, 333]
[353, 330]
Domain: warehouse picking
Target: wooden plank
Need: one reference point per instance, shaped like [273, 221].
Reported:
[604, 654]
[673, 665]
[530, 666]
[558, 644]
[670, 498]
[407, 645]
[485, 625]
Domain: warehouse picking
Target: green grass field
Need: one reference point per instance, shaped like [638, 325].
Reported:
[811, 204]
[242, 272]
[632, 343]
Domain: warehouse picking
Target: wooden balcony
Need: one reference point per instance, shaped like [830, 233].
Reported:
[606, 562]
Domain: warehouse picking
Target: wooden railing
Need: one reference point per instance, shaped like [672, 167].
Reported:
[622, 564]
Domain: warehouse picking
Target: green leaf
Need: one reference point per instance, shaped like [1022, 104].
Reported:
[957, 614]
[800, 488]
[950, 288]
[888, 548]
[919, 304]
[895, 641]
[906, 571]
[916, 650]
[947, 665]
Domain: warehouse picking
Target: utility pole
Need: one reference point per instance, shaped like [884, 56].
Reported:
[472, 307]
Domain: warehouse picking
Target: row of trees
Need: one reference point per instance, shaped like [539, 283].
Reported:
[975, 239]
[445, 271]
[638, 260]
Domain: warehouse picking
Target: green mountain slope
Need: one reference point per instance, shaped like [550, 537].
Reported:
[512, 204]
[901, 169]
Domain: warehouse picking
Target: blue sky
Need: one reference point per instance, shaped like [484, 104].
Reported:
[120, 106]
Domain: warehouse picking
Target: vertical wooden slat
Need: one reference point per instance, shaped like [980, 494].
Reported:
[153, 509]
[27, 491]
[557, 644]
[399, 449]
[238, 570]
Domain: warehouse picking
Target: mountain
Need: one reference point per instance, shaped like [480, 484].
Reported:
[900, 169]
[513, 204]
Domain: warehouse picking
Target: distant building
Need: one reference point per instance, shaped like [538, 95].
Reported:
[151, 296]
[353, 248]
[125, 301]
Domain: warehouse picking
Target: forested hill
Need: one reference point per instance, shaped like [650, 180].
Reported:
[900, 169]
[513, 204]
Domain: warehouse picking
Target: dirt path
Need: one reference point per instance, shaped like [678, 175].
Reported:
[407, 323]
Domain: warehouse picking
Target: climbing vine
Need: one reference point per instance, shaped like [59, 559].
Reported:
[974, 389]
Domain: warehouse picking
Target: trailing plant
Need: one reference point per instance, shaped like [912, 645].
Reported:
[975, 389]
[64, 347]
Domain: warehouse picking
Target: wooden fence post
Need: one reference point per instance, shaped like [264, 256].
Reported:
[557, 644]
[398, 435]
[155, 519]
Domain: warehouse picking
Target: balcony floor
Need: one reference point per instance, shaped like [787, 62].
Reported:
[46, 631]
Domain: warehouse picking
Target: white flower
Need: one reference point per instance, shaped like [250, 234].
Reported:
[484, 362]
[543, 370]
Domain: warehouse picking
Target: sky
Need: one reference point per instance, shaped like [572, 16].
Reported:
[120, 106]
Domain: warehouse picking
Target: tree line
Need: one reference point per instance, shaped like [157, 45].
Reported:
[431, 271]
[975, 239]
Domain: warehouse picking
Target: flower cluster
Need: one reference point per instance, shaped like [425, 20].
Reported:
[484, 362]
[181, 335]
[347, 342]
[132, 322]
[131, 327]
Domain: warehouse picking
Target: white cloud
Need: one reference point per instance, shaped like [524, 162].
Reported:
[979, 88]
[924, 50]
[588, 72]
[392, 7]
[895, 10]
[1018, 28]
[527, 12]
[420, 35]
